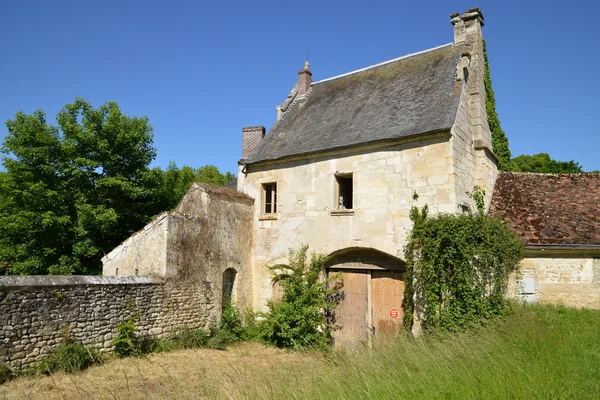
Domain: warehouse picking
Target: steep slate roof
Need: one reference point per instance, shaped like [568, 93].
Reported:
[400, 98]
[550, 208]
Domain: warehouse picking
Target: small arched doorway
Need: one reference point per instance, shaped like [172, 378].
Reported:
[372, 287]
[227, 291]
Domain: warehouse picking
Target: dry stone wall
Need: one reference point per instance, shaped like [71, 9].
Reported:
[38, 312]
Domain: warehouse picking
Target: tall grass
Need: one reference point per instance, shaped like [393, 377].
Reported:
[536, 352]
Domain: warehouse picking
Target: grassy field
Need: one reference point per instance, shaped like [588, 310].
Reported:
[534, 353]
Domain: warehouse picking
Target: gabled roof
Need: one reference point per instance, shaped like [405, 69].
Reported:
[550, 208]
[403, 97]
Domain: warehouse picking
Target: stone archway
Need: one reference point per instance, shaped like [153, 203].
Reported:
[372, 289]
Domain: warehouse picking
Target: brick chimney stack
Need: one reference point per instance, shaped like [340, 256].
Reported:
[304, 80]
[251, 137]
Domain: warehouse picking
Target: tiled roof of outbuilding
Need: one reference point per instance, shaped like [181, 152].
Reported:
[550, 208]
[400, 98]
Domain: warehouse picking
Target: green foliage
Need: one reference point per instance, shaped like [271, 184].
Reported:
[231, 321]
[181, 339]
[174, 182]
[70, 357]
[499, 139]
[126, 342]
[73, 192]
[458, 267]
[298, 320]
[6, 373]
[544, 164]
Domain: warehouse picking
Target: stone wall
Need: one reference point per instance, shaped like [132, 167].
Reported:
[209, 232]
[571, 280]
[38, 312]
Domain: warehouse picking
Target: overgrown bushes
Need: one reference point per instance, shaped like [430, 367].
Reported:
[6, 373]
[458, 267]
[298, 320]
[70, 357]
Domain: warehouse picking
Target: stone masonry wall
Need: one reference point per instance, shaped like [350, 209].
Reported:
[569, 280]
[37, 312]
[384, 182]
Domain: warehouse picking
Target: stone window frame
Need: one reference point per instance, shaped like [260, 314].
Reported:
[340, 204]
[273, 194]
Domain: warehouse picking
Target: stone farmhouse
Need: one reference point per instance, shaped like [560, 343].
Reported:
[339, 171]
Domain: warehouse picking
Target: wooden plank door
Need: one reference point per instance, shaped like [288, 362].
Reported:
[387, 288]
[350, 325]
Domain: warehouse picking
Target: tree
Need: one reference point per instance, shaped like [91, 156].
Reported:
[499, 139]
[73, 192]
[543, 163]
[175, 182]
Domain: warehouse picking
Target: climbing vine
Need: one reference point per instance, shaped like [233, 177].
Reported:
[458, 267]
[499, 139]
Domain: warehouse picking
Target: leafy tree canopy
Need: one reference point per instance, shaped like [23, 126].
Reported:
[73, 192]
[543, 163]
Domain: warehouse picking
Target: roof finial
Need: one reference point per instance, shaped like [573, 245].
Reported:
[306, 64]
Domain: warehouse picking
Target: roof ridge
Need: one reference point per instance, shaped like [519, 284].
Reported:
[381, 64]
[549, 173]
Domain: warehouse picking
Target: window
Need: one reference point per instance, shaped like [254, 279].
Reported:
[344, 192]
[228, 282]
[269, 198]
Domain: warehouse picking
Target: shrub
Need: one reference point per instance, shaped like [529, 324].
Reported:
[126, 343]
[69, 358]
[298, 320]
[6, 373]
[231, 321]
[221, 339]
[189, 338]
[458, 267]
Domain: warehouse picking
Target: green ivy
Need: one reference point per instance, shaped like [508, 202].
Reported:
[499, 139]
[126, 343]
[458, 267]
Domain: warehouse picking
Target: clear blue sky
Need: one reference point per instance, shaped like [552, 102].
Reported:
[203, 70]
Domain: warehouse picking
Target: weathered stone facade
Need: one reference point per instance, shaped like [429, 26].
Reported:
[208, 233]
[568, 279]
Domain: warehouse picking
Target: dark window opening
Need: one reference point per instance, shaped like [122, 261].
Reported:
[228, 281]
[344, 197]
[270, 198]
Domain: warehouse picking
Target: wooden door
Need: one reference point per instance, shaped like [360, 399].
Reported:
[350, 324]
[387, 288]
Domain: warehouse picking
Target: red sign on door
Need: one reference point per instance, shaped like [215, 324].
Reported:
[394, 313]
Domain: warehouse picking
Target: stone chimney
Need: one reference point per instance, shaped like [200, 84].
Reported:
[304, 80]
[251, 137]
[468, 40]
[467, 27]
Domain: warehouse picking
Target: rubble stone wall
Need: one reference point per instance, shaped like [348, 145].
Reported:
[38, 312]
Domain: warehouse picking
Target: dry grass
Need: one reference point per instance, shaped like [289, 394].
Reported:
[188, 374]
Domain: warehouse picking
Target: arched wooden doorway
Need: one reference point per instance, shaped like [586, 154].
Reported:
[372, 288]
